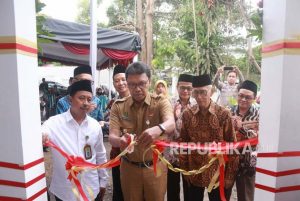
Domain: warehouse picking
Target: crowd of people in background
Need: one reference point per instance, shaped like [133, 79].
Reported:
[189, 116]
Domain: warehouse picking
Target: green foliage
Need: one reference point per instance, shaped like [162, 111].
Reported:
[218, 34]
[121, 11]
[84, 11]
[39, 17]
[39, 6]
[39, 25]
[257, 31]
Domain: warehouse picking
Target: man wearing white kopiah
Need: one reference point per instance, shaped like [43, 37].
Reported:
[80, 135]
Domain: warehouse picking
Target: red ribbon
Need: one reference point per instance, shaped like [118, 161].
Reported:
[222, 179]
[160, 148]
[212, 148]
[76, 161]
[79, 162]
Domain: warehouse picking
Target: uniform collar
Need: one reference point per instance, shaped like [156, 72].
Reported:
[147, 100]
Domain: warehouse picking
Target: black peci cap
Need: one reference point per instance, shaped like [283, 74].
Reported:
[119, 69]
[249, 85]
[201, 80]
[82, 85]
[82, 70]
[185, 78]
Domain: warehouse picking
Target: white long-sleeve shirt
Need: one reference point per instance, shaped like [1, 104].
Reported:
[71, 137]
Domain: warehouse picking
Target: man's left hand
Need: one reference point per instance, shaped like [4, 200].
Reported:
[148, 136]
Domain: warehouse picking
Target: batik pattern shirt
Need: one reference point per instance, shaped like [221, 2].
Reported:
[249, 129]
[214, 126]
[178, 123]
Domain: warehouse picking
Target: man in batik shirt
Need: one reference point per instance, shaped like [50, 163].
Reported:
[206, 122]
[179, 104]
[245, 117]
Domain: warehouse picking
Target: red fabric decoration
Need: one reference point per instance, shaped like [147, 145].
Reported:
[118, 54]
[118, 57]
[122, 57]
[77, 48]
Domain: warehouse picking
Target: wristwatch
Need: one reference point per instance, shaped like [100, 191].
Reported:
[162, 128]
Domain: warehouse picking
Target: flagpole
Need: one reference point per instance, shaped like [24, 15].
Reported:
[93, 42]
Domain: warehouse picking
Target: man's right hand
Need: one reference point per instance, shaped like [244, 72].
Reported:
[124, 141]
[221, 69]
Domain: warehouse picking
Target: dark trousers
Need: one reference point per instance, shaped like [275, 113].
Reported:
[245, 186]
[196, 193]
[173, 187]
[117, 190]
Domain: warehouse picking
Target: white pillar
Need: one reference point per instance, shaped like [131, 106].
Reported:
[22, 174]
[278, 174]
[93, 43]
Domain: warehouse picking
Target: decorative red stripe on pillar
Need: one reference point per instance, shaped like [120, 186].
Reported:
[37, 194]
[277, 190]
[8, 46]
[21, 167]
[20, 184]
[278, 174]
[41, 192]
[279, 154]
[282, 45]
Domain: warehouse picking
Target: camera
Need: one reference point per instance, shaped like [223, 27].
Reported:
[228, 68]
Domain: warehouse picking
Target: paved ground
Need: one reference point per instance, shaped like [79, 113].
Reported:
[108, 194]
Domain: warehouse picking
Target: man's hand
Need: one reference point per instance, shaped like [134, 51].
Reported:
[101, 194]
[221, 69]
[124, 141]
[177, 110]
[236, 69]
[45, 138]
[237, 122]
[102, 123]
[148, 136]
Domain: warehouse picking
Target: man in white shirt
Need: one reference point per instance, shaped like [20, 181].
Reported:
[77, 134]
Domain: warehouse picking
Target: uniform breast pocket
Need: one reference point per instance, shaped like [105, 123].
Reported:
[127, 127]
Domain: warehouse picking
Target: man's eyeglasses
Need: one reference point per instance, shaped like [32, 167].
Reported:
[197, 92]
[247, 98]
[183, 88]
[141, 85]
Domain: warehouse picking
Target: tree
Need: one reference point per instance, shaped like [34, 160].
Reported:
[40, 18]
[141, 19]
[218, 25]
[84, 11]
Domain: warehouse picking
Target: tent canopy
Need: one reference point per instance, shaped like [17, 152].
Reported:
[70, 44]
